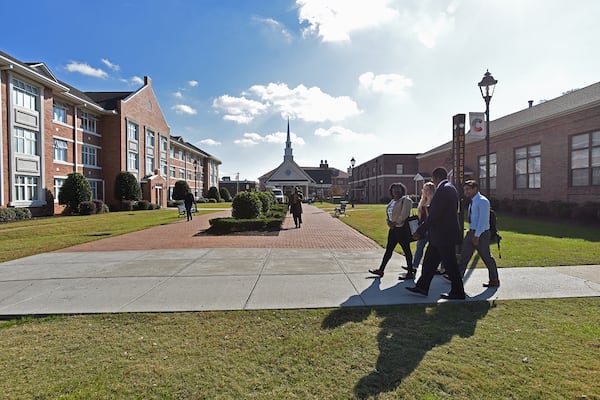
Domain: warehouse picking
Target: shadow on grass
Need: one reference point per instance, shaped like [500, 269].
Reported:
[543, 227]
[406, 334]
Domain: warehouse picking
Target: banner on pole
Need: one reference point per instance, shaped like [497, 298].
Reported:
[477, 125]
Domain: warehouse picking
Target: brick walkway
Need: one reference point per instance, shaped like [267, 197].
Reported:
[320, 230]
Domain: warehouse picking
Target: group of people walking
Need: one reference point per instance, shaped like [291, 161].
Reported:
[441, 232]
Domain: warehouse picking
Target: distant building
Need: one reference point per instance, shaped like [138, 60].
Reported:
[236, 186]
[321, 182]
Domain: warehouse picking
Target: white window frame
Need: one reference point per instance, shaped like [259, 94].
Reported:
[26, 188]
[26, 141]
[133, 131]
[132, 161]
[58, 184]
[89, 155]
[60, 150]
[88, 122]
[25, 95]
[59, 112]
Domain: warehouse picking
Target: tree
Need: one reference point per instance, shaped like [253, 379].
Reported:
[246, 205]
[180, 189]
[127, 187]
[225, 195]
[75, 190]
[213, 193]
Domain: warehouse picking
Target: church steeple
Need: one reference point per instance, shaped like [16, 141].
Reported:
[287, 155]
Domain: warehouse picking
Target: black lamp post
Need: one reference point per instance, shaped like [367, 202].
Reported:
[352, 163]
[196, 179]
[487, 86]
[321, 184]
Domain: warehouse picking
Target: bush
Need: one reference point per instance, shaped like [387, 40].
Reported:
[505, 205]
[179, 190]
[229, 225]
[142, 205]
[267, 199]
[75, 190]
[127, 187]
[246, 205]
[538, 208]
[22, 213]
[87, 208]
[560, 209]
[211, 200]
[225, 195]
[100, 207]
[7, 214]
[127, 205]
[213, 193]
[520, 206]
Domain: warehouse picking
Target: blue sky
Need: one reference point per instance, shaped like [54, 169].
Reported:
[356, 78]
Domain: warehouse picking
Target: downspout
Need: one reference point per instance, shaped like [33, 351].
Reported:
[8, 67]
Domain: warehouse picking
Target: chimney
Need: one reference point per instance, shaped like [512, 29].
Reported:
[147, 81]
[530, 103]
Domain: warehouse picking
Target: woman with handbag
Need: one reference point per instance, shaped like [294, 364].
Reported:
[422, 211]
[398, 211]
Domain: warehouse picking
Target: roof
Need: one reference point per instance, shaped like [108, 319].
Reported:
[108, 100]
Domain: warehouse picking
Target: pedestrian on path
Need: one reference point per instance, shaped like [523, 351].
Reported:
[444, 234]
[295, 205]
[422, 212]
[188, 201]
[398, 210]
[478, 236]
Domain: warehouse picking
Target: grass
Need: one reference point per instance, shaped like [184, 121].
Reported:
[534, 349]
[40, 235]
[526, 242]
[541, 349]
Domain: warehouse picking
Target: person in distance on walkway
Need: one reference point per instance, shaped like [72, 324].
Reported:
[295, 204]
[444, 234]
[188, 201]
[398, 210]
[478, 236]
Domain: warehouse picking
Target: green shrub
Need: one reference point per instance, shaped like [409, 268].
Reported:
[538, 208]
[267, 199]
[142, 205]
[246, 205]
[87, 208]
[230, 225]
[127, 187]
[225, 195]
[127, 205]
[100, 209]
[211, 200]
[22, 213]
[7, 214]
[180, 189]
[560, 209]
[213, 193]
[520, 206]
[75, 190]
[505, 205]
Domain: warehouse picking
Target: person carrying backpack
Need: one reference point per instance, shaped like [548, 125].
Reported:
[479, 234]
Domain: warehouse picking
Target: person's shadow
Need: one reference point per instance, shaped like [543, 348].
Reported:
[407, 333]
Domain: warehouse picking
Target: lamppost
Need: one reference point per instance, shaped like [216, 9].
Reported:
[321, 184]
[196, 179]
[352, 163]
[487, 86]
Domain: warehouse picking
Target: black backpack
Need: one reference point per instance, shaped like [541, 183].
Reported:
[494, 235]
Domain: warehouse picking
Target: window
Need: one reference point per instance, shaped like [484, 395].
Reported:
[172, 172]
[59, 112]
[25, 95]
[88, 122]
[163, 168]
[26, 141]
[132, 131]
[585, 159]
[94, 187]
[149, 139]
[26, 188]
[399, 169]
[89, 155]
[149, 165]
[132, 161]
[58, 184]
[181, 173]
[482, 171]
[172, 152]
[528, 167]
[163, 144]
[180, 155]
[60, 150]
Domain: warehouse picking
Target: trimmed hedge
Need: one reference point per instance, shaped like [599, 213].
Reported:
[230, 225]
[14, 214]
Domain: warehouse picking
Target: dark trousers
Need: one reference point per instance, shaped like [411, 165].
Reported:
[447, 255]
[399, 236]
[188, 211]
[297, 218]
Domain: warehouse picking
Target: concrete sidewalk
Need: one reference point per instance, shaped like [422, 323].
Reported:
[322, 264]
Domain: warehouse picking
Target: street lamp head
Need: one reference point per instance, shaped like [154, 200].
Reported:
[195, 163]
[487, 85]
[352, 162]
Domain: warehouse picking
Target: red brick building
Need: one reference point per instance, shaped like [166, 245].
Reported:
[49, 129]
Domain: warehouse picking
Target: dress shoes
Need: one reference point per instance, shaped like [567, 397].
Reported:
[495, 283]
[377, 272]
[417, 290]
[452, 296]
[408, 275]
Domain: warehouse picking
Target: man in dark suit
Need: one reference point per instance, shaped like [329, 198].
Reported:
[444, 234]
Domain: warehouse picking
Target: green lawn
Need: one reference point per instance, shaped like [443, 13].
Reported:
[534, 349]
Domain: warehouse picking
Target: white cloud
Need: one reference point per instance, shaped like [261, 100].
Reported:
[275, 26]
[335, 20]
[385, 83]
[178, 94]
[239, 109]
[183, 109]
[136, 80]
[430, 27]
[110, 65]
[343, 134]
[193, 83]
[210, 142]
[308, 104]
[253, 139]
[86, 69]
